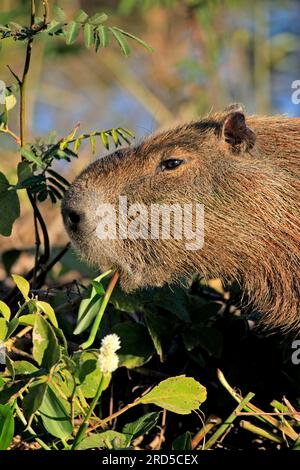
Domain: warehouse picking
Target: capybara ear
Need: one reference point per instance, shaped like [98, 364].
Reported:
[236, 135]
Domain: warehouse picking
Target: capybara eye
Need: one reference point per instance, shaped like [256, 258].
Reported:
[170, 164]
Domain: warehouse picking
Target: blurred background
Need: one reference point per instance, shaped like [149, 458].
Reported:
[207, 54]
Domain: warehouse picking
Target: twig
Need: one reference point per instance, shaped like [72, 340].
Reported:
[261, 432]
[209, 425]
[228, 422]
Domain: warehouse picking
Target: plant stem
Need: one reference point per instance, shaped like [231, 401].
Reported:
[98, 318]
[84, 425]
[30, 430]
[24, 79]
[261, 432]
[223, 428]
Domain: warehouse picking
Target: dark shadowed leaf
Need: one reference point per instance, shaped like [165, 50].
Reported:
[183, 442]
[7, 426]
[142, 425]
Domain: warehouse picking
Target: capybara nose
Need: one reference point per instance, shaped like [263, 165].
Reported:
[72, 219]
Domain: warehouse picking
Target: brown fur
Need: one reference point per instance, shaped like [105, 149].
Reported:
[247, 177]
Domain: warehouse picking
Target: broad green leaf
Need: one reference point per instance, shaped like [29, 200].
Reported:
[135, 38]
[55, 414]
[33, 400]
[72, 32]
[103, 36]
[22, 284]
[24, 368]
[88, 372]
[106, 440]
[3, 329]
[10, 206]
[7, 426]
[88, 35]
[137, 347]
[81, 16]
[5, 310]
[46, 350]
[98, 18]
[122, 41]
[48, 310]
[28, 319]
[142, 425]
[30, 156]
[179, 394]
[12, 326]
[183, 442]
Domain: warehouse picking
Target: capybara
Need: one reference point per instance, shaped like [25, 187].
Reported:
[243, 170]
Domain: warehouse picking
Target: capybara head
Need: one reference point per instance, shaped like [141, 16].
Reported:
[141, 209]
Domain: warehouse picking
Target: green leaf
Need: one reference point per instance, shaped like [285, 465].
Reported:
[12, 326]
[81, 16]
[160, 330]
[88, 35]
[115, 137]
[10, 206]
[29, 155]
[106, 440]
[59, 13]
[22, 284]
[183, 442]
[135, 38]
[5, 310]
[142, 425]
[72, 32]
[175, 302]
[122, 41]
[88, 372]
[104, 139]
[208, 338]
[179, 394]
[137, 347]
[92, 141]
[55, 414]
[98, 18]
[33, 400]
[90, 306]
[103, 36]
[24, 172]
[54, 26]
[48, 310]
[46, 350]
[24, 368]
[28, 319]
[7, 426]
[3, 329]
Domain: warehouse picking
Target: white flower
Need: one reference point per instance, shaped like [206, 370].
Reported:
[111, 343]
[108, 359]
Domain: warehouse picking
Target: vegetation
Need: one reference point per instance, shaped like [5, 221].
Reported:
[178, 347]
